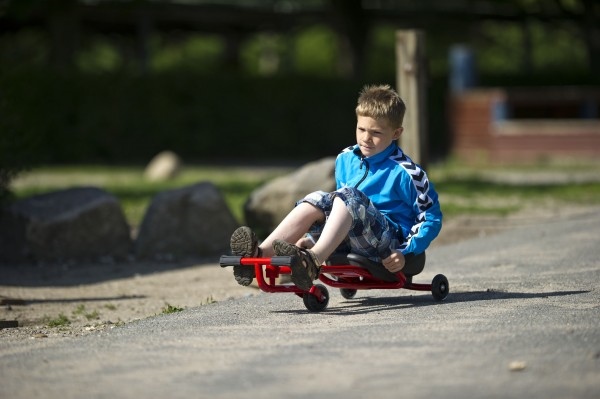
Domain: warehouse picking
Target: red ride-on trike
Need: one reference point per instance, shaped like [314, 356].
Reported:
[348, 272]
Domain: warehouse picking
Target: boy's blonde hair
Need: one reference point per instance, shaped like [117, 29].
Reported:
[381, 101]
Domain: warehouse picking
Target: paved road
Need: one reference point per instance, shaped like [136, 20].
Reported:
[529, 296]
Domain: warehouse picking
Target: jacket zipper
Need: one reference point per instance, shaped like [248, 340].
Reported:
[363, 161]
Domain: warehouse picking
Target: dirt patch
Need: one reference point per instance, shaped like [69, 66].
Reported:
[76, 299]
[69, 300]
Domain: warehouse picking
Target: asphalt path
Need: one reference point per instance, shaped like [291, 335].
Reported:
[522, 321]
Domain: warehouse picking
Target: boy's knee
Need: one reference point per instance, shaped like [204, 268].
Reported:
[353, 198]
[314, 197]
[350, 192]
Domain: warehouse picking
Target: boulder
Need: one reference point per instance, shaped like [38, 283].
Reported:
[270, 203]
[189, 222]
[164, 166]
[84, 223]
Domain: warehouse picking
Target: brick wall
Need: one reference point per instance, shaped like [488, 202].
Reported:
[482, 128]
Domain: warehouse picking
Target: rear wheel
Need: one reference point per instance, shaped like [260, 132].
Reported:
[440, 287]
[313, 302]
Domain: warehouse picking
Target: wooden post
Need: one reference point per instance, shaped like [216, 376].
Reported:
[411, 74]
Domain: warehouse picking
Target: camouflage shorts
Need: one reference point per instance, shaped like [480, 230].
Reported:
[370, 234]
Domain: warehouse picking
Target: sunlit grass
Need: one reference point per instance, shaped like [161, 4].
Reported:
[135, 193]
[504, 190]
[462, 190]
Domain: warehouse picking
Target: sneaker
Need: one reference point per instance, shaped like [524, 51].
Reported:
[245, 244]
[305, 266]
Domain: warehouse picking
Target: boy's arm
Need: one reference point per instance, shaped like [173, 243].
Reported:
[428, 219]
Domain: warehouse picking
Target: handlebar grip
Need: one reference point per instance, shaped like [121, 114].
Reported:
[230, 260]
[281, 260]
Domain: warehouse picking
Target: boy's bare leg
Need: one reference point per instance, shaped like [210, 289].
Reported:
[334, 232]
[305, 267]
[293, 227]
[297, 223]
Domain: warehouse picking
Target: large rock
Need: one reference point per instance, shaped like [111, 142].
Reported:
[83, 223]
[270, 203]
[189, 222]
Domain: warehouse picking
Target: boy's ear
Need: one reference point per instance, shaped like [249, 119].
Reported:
[398, 132]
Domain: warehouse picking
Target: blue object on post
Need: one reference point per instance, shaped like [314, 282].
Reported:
[463, 74]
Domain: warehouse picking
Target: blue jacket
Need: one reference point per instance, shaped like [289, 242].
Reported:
[399, 188]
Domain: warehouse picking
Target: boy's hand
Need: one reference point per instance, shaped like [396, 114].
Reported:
[395, 262]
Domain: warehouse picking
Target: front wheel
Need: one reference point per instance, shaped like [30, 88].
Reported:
[313, 302]
[348, 293]
[440, 287]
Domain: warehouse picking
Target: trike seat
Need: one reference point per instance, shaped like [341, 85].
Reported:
[414, 265]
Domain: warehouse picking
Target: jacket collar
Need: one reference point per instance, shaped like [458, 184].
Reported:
[378, 158]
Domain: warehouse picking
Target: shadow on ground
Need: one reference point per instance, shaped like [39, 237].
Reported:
[45, 275]
[376, 304]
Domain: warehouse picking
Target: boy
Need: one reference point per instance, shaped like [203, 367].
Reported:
[384, 207]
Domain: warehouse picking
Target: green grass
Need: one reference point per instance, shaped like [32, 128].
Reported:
[81, 311]
[474, 196]
[168, 308]
[462, 190]
[59, 321]
[171, 309]
[135, 193]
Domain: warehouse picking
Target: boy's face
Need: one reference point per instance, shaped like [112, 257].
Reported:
[374, 135]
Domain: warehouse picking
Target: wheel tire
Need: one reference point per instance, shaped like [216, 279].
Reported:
[348, 293]
[312, 303]
[440, 287]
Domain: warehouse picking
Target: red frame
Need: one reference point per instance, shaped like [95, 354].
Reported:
[338, 276]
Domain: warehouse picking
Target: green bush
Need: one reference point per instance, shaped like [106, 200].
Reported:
[126, 118]
[120, 117]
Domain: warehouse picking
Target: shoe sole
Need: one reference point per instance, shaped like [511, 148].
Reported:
[243, 243]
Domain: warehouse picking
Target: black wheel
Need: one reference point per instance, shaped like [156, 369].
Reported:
[348, 293]
[440, 287]
[311, 301]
